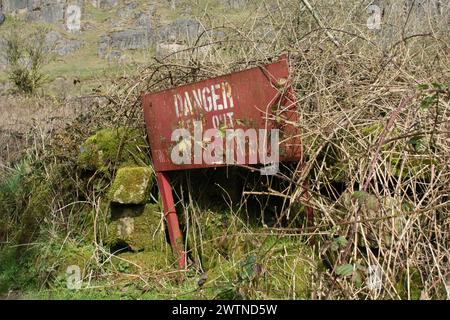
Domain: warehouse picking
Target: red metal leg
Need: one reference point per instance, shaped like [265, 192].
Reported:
[175, 236]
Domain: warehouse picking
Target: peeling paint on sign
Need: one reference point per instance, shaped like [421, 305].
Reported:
[257, 98]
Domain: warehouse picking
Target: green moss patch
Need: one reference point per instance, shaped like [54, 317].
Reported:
[138, 262]
[277, 268]
[131, 185]
[140, 227]
[287, 269]
[415, 284]
[412, 167]
[112, 148]
[241, 261]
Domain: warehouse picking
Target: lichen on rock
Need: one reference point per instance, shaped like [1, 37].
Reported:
[131, 185]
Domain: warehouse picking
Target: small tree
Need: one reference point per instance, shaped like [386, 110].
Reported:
[26, 54]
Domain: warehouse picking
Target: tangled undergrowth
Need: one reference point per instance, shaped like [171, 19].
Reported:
[374, 108]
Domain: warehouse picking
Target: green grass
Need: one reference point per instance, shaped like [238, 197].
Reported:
[15, 274]
[96, 14]
[82, 66]
[105, 290]
[3, 77]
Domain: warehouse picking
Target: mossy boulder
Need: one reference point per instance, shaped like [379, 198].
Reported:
[112, 148]
[74, 254]
[139, 227]
[131, 185]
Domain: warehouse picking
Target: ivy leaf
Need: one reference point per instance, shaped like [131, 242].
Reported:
[344, 270]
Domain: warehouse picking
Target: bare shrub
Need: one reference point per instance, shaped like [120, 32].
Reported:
[26, 55]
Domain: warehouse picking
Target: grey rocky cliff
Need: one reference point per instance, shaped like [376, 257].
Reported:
[49, 11]
[130, 39]
[143, 35]
[60, 45]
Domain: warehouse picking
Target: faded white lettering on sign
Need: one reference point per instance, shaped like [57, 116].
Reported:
[211, 98]
[236, 147]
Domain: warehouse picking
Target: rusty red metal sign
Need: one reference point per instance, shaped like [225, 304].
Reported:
[251, 106]
[257, 98]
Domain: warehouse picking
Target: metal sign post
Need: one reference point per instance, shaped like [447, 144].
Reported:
[258, 99]
[170, 214]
